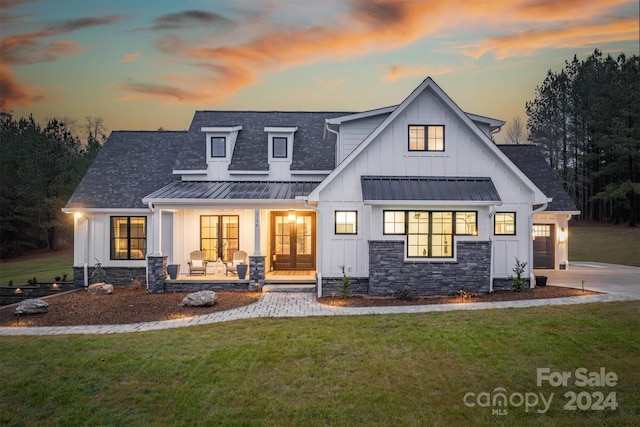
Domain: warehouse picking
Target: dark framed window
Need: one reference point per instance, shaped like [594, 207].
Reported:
[219, 236]
[466, 223]
[346, 222]
[128, 237]
[426, 137]
[430, 233]
[394, 222]
[218, 146]
[279, 147]
[504, 223]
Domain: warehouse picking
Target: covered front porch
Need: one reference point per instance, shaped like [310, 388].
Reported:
[277, 234]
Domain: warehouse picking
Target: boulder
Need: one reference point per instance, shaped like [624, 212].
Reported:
[100, 289]
[32, 306]
[199, 299]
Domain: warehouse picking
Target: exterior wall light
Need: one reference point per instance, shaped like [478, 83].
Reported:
[292, 216]
[562, 234]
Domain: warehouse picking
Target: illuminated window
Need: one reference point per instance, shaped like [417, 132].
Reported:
[467, 223]
[346, 222]
[426, 138]
[541, 231]
[417, 234]
[219, 236]
[394, 222]
[505, 223]
[128, 237]
[218, 146]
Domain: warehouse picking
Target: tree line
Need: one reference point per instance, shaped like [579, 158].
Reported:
[586, 119]
[40, 167]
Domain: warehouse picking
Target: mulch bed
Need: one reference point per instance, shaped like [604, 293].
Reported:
[133, 304]
[130, 304]
[535, 293]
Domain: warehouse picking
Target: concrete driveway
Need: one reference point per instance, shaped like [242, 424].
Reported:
[597, 276]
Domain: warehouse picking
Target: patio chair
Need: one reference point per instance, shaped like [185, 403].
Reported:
[197, 263]
[240, 257]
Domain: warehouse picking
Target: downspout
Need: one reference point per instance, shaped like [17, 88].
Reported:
[86, 254]
[318, 246]
[492, 212]
[146, 264]
[337, 134]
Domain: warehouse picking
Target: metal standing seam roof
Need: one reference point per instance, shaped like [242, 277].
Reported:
[233, 190]
[429, 188]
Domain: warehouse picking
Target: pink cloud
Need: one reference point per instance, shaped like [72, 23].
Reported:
[399, 72]
[130, 57]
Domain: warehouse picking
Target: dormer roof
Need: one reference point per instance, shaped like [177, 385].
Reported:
[312, 149]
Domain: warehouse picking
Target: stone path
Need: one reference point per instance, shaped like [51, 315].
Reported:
[276, 304]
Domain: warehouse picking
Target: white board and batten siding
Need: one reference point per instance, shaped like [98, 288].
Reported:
[465, 155]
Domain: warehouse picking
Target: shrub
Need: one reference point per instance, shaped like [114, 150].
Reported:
[99, 274]
[404, 294]
[465, 295]
[518, 284]
[344, 285]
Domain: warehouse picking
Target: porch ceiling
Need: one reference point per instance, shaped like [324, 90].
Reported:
[232, 190]
[429, 188]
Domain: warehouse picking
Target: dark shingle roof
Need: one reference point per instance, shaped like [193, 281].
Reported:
[531, 162]
[234, 190]
[312, 149]
[129, 166]
[429, 188]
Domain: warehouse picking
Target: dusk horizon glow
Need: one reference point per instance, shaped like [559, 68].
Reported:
[143, 68]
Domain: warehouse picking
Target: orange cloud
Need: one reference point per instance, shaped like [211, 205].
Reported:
[570, 35]
[398, 71]
[129, 57]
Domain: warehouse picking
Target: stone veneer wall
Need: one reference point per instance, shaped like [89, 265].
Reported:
[359, 285]
[256, 271]
[157, 266]
[119, 276]
[388, 271]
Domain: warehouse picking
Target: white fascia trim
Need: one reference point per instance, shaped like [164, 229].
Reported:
[189, 172]
[281, 129]
[225, 129]
[243, 172]
[309, 172]
[430, 203]
[559, 212]
[364, 114]
[485, 119]
[106, 210]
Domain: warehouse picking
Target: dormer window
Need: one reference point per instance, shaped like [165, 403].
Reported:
[280, 143]
[218, 146]
[279, 147]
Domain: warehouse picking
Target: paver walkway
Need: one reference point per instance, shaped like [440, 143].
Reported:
[280, 304]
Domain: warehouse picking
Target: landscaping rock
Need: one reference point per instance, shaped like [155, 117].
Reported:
[199, 299]
[32, 306]
[100, 289]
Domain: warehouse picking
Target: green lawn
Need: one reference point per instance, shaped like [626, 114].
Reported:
[614, 244]
[391, 370]
[44, 268]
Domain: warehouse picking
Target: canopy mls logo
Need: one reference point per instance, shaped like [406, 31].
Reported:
[595, 400]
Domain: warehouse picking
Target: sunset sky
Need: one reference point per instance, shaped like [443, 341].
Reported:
[143, 64]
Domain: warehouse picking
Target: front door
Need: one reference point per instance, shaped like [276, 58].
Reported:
[293, 240]
[543, 246]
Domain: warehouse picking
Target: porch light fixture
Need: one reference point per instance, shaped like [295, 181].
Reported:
[562, 234]
[292, 216]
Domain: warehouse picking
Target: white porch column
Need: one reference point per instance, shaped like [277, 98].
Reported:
[156, 233]
[256, 233]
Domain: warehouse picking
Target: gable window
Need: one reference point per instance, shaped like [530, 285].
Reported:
[128, 237]
[219, 236]
[505, 223]
[430, 233]
[426, 138]
[346, 222]
[218, 146]
[279, 147]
